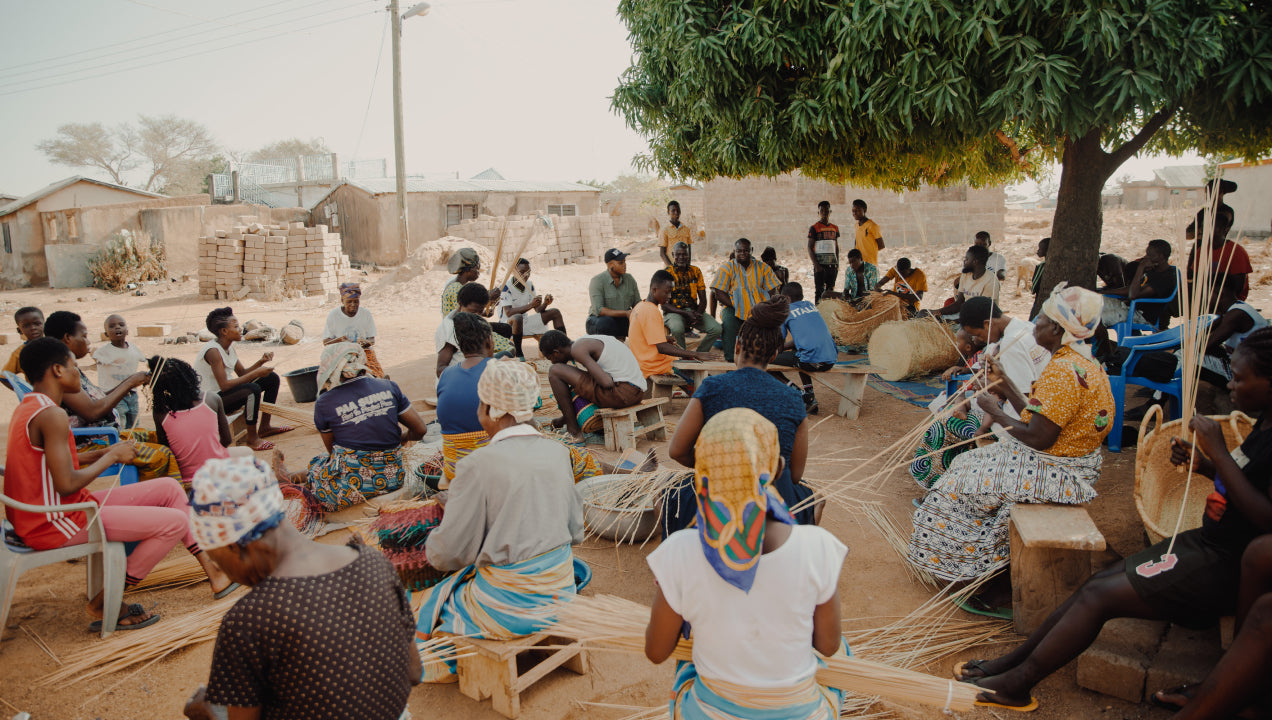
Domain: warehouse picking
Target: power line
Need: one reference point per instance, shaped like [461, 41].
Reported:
[371, 94]
[149, 63]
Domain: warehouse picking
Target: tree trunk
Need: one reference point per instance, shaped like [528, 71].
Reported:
[1079, 217]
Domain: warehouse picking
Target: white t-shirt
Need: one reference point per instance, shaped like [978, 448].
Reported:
[207, 381]
[1022, 358]
[617, 360]
[762, 638]
[985, 286]
[115, 365]
[996, 263]
[359, 327]
[510, 297]
[445, 335]
[1232, 342]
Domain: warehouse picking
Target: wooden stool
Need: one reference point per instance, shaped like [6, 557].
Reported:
[238, 426]
[1051, 548]
[850, 390]
[620, 424]
[663, 386]
[503, 669]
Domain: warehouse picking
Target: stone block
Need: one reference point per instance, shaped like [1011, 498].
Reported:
[1186, 657]
[154, 330]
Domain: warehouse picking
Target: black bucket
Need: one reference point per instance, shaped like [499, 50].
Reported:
[303, 384]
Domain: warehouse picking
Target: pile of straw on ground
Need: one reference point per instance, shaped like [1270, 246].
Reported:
[853, 327]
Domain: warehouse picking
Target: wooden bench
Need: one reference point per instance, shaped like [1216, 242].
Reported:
[663, 386]
[619, 425]
[850, 391]
[503, 669]
[1051, 548]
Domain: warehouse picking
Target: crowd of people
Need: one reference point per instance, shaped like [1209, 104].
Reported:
[741, 543]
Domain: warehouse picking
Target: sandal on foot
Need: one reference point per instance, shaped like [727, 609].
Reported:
[982, 700]
[976, 606]
[276, 431]
[1185, 690]
[977, 665]
[263, 446]
[225, 591]
[133, 610]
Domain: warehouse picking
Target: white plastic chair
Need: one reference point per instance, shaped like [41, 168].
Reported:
[106, 562]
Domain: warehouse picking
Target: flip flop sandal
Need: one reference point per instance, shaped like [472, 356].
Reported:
[134, 610]
[970, 665]
[280, 430]
[265, 445]
[976, 606]
[1187, 691]
[1033, 704]
[226, 591]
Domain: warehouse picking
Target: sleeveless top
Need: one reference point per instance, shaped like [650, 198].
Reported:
[207, 381]
[194, 437]
[27, 479]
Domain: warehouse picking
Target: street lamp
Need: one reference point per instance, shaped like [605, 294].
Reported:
[399, 146]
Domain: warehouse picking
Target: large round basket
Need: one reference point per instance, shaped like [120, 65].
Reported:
[852, 327]
[900, 350]
[1159, 486]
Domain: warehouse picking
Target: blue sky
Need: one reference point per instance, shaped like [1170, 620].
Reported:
[520, 85]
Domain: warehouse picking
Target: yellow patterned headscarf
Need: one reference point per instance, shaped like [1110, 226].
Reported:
[509, 388]
[1076, 310]
[737, 459]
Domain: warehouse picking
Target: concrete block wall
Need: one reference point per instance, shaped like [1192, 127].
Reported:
[778, 211]
[583, 238]
[267, 261]
[631, 212]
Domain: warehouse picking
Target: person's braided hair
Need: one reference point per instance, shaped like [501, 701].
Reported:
[176, 387]
[761, 335]
[1258, 348]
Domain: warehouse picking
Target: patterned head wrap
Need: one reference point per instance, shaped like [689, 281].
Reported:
[340, 362]
[737, 458]
[350, 290]
[1075, 309]
[461, 260]
[509, 388]
[235, 500]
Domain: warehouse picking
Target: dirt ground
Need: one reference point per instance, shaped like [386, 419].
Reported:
[874, 587]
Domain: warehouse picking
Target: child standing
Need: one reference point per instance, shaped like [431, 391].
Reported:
[823, 251]
[30, 321]
[116, 362]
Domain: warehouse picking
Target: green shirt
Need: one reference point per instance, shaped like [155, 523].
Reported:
[605, 295]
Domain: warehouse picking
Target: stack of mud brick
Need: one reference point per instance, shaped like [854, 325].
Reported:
[576, 239]
[267, 262]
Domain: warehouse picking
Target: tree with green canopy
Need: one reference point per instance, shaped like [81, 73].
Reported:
[899, 93]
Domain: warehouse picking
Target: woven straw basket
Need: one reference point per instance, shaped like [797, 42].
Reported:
[853, 328]
[1159, 486]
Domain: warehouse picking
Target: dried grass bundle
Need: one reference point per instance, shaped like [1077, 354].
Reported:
[301, 418]
[606, 622]
[853, 327]
[125, 259]
[913, 347]
[183, 572]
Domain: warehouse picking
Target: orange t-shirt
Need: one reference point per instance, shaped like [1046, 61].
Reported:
[644, 332]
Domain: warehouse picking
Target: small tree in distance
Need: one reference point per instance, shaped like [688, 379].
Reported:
[905, 92]
[289, 148]
[174, 148]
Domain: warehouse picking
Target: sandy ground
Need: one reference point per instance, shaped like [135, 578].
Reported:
[874, 586]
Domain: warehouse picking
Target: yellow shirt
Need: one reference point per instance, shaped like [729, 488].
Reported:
[1073, 392]
[672, 235]
[12, 366]
[868, 237]
[916, 283]
[747, 286]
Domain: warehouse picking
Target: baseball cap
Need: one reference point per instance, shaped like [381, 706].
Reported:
[615, 254]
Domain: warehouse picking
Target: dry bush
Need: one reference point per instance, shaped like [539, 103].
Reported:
[128, 258]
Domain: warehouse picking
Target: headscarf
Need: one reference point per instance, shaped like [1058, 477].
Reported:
[340, 362]
[737, 458]
[234, 500]
[1076, 310]
[461, 260]
[509, 388]
[350, 290]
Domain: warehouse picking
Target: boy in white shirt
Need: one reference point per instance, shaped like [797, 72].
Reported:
[116, 362]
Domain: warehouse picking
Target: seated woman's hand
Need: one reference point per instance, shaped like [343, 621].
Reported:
[1181, 451]
[990, 404]
[1209, 436]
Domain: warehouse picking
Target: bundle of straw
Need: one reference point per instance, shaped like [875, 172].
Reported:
[915, 347]
[853, 327]
[301, 418]
[183, 572]
[606, 622]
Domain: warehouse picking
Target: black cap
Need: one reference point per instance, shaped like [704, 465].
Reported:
[615, 254]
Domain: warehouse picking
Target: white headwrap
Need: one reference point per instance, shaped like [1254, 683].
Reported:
[509, 388]
[235, 500]
[1077, 311]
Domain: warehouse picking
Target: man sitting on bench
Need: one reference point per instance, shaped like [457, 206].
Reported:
[809, 345]
[605, 375]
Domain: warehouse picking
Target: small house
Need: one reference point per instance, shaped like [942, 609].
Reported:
[1174, 186]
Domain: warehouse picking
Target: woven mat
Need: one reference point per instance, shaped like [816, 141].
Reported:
[919, 391]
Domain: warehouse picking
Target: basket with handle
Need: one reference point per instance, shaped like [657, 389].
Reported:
[1159, 486]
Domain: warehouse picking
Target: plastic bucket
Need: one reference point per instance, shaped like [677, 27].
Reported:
[303, 384]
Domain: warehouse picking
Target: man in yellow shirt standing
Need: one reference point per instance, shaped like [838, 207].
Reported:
[674, 232]
[869, 239]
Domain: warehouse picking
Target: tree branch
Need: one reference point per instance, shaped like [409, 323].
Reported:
[1011, 145]
[1132, 146]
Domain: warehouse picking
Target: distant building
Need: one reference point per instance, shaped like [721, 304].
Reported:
[1174, 186]
[1253, 213]
[364, 211]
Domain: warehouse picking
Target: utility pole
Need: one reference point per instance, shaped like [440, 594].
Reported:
[399, 146]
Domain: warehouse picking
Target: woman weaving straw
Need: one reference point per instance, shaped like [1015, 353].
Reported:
[750, 386]
[746, 566]
[511, 515]
[358, 417]
[353, 323]
[1050, 454]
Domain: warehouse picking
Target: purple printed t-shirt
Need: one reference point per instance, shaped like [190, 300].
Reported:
[362, 414]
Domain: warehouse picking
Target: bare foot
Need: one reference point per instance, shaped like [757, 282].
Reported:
[279, 466]
[558, 421]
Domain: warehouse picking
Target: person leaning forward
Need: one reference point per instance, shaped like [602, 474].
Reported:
[613, 294]
[687, 307]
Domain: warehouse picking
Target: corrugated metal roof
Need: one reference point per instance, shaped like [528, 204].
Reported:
[381, 186]
[489, 174]
[1183, 176]
[20, 203]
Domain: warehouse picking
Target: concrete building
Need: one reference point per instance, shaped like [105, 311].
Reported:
[1174, 186]
[778, 211]
[633, 212]
[1253, 213]
[364, 212]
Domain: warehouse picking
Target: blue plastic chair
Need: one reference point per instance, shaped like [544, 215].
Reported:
[127, 473]
[1139, 346]
[1129, 328]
